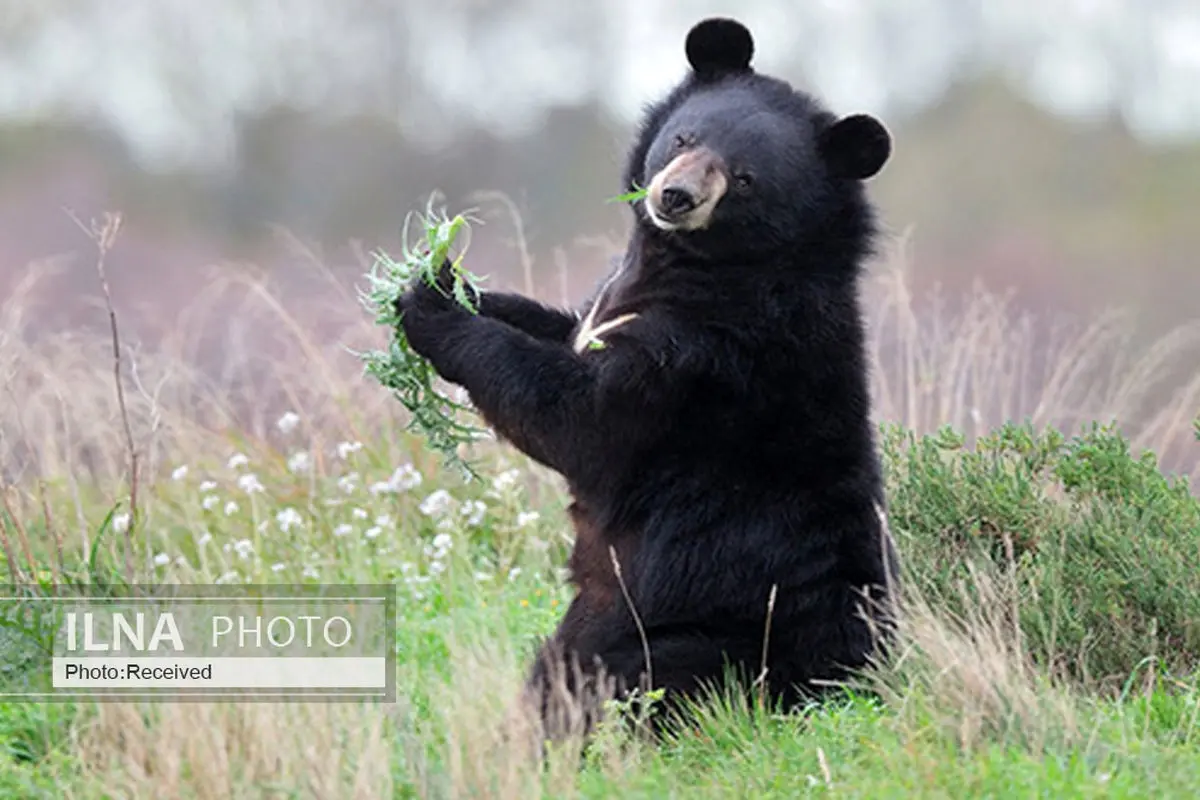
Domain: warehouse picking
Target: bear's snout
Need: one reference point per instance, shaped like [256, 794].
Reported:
[684, 193]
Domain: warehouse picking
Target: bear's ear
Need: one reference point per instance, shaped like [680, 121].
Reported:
[856, 147]
[717, 45]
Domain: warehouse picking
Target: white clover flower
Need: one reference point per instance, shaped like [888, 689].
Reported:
[205, 539]
[311, 572]
[436, 567]
[279, 567]
[180, 473]
[506, 480]
[210, 502]
[358, 513]
[347, 449]
[443, 542]
[289, 518]
[299, 462]
[162, 559]
[373, 531]
[120, 523]
[345, 529]
[231, 508]
[249, 483]
[237, 460]
[380, 487]
[526, 518]
[474, 511]
[348, 483]
[513, 573]
[243, 547]
[437, 504]
[288, 422]
[405, 478]
[384, 521]
[208, 486]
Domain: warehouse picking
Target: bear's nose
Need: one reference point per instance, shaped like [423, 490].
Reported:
[677, 200]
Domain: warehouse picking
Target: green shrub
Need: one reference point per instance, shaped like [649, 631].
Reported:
[1102, 548]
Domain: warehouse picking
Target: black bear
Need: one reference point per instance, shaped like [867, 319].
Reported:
[710, 411]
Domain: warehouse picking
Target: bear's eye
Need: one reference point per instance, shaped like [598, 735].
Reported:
[680, 141]
[743, 180]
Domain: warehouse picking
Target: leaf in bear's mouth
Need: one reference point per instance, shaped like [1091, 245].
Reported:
[629, 197]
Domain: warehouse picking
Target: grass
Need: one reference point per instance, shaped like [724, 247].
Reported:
[1047, 648]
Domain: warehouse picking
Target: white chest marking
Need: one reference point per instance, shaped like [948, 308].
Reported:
[589, 334]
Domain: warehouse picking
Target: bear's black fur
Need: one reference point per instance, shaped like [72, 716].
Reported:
[710, 413]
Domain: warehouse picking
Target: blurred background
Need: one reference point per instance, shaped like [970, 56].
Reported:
[1047, 153]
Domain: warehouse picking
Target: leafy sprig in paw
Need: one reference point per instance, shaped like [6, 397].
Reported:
[427, 274]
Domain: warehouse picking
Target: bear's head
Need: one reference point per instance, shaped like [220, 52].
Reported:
[736, 161]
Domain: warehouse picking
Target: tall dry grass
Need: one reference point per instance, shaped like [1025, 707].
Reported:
[210, 751]
[249, 346]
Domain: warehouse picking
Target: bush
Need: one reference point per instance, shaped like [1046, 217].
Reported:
[1102, 548]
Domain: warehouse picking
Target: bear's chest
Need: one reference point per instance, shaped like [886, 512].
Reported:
[605, 315]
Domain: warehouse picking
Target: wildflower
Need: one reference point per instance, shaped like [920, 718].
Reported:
[278, 567]
[238, 460]
[513, 573]
[373, 531]
[474, 511]
[180, 473]
[384, 521]
[228, 577]
[358, 513]
[437, 567]
[311, 572]
[345, 529]
[299, 462]
[526, 518]
[249, 483]
[231, 508]
[243, 547]
[436, 504]
[506, 480]
[162, 559]
[348, 483]
[205, 539]
[120, 523]
[462, 397]
[482, 577]
[346, 449]
[289, 518]
[442, 542]
[208, 486]
[288, 422]
[380, 487]
[210, 502]
[405, 478]
[180, 561]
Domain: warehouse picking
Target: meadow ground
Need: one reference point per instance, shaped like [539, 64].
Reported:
[1048, 648]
